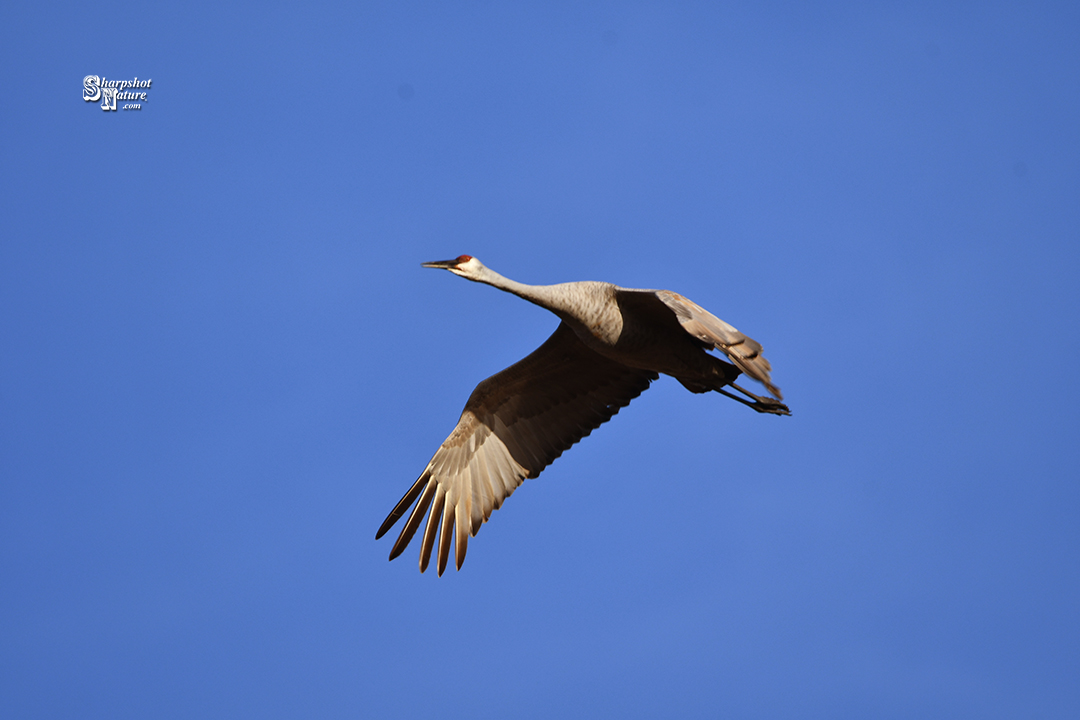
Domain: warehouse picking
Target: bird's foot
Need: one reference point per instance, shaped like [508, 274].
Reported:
[770, 406]
[761, 404]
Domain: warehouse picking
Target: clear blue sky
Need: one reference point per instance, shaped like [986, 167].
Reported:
[221, 363]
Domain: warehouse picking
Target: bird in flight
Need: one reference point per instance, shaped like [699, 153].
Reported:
[612, 342]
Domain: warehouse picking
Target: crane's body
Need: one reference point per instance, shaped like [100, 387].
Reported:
[612, 342]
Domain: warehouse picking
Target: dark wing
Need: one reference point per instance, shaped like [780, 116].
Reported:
[513, 426]
[744, 352]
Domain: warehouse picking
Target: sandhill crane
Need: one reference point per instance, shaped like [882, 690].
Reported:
[612, 342]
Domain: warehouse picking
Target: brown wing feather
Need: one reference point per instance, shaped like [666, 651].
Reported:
[515, 424]
[743, 351]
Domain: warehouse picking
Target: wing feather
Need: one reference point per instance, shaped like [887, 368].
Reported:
[446, 534]
[744, 352]
[515, 424]
[432, 527]
[417, 514]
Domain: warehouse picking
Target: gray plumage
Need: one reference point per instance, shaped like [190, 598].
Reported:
[612, 342]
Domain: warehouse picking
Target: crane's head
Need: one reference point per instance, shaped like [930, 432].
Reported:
[466, 266]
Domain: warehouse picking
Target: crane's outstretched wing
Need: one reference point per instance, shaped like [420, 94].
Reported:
[744, 352]
[513, 426]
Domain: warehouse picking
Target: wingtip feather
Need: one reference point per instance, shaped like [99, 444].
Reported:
[445, 536]
[403, 504]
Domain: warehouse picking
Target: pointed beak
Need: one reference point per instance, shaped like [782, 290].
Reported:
[442, 264]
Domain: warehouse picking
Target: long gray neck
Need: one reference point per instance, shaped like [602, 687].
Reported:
[546, 296]
[588, 307]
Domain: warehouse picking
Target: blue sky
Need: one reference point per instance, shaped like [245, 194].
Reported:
[221, 363]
